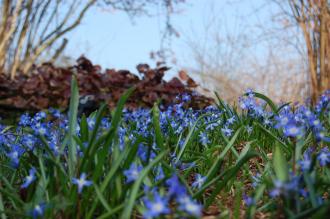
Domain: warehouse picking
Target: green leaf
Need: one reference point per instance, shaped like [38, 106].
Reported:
[73, 112]
[284, 146]
[268, 101]
[108, 177]
[156, 124]
[258, 195]
[84, 129]
[101, 198]
[2, 208]
[217, 163]
[311, 189]
[280, 164]
[189, 138]
[91, 148]
[229, 175]
[238, 199]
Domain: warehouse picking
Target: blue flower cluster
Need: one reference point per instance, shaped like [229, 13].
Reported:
[157, 204]
[201, 132]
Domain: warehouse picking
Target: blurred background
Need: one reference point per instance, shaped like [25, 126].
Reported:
[276, 47]
[227, 46]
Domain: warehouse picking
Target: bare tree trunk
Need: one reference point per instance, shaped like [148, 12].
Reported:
[313, 18]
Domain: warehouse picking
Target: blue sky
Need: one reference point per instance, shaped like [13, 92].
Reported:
[113, 40]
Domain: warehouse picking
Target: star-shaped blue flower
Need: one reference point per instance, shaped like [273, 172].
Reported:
[81, 182]
[29, 178]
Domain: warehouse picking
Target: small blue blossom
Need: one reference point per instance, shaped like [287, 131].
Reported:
[176, 189]
[277, 190]
[132, 173]
[25, 120]
[156, 207]
[248, 200]
[159, 173]
[227, 131]
[40, 115]
[315, 123]
[199, 180]
[231, 120]
[188, 205]
[55, 112]
[324, 157]
[283, 120]
[29, 178]
[322, 137]
[304, 193]
[38, 210]
[256, 180]
[249, 129]
[14, 155]
[292, 130]
[203, 138]
[90, 123]
[306, 162]
[186, 98]
[81, 182]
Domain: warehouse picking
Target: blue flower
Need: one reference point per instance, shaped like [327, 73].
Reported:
[176, 189]
[322, 137]
[227, 131]
[40, 128]
[249, 92]
[304, 193]
[40, 115]
[29, 178]
[292, 130]
[132, 173]
[186, 98]
[315, 123]
[38, 210]
[267, 122]
[248, 200]
[256, 180]
[81, 182]
[324, 157]
[249, 129]
[29, 141]
[306, 163]
[90, 123]
[199, 180]
[277, 190]
[55, 112]
[15, 154]
[203, 138]
[231, 120]
[283, 120]
[25, 120]
[159, 173]
[189, 206]
[156, 207]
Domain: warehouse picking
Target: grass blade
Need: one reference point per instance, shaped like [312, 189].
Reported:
[216, 166]
[73, 112]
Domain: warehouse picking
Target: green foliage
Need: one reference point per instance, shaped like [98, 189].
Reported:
[128, 161]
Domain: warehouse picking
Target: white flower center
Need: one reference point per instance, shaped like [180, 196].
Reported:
[81, 182]
[158, 207]
[294, 130]
[191, 207]
[38, 209]
[29, 178]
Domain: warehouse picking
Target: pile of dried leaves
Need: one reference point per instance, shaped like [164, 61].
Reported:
[49, 86]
